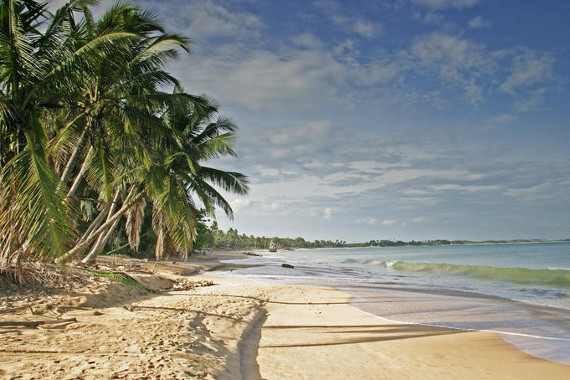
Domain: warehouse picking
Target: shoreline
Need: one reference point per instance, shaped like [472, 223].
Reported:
[240, 329]
[327, 329]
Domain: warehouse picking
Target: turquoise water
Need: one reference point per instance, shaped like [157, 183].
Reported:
[521, 291]
[534, 273]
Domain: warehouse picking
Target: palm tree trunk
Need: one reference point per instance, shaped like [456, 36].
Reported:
[75, 155]
[96, 223]
[159, 246]
[101, 243]
[80, 247]
[77, 180]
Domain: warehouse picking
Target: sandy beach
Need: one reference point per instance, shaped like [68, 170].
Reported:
[220, 328]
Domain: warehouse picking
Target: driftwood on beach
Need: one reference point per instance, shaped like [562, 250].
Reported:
[36, 323]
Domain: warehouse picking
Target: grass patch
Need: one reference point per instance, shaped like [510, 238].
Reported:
[119, 277]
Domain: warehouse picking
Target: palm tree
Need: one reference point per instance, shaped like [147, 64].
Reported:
[119, 100]
[196, 135]
[85, 122]
[32, 215]
[173, 174]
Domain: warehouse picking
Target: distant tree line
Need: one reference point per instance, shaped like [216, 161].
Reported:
[400, 243]
[214, 238]
[211, 237]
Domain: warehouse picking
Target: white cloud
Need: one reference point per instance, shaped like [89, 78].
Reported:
[493, 121]
[473, 91]
[455, 60]
[479, 23]
[502, 119]
[370, 221]
[307, 40]
[270, 81]
[529, 68]
[433, 18]
[239, 205]
[419, 219]
[532, 101]
[532, 194]
[437, 49]
[430, 18]
[376, 72]
[361, 26]
[328, 213]
[271, 208]
[368, 29]
[446, 4]
[389, 222]
[291, 135]
[210, 20]
[347, 46]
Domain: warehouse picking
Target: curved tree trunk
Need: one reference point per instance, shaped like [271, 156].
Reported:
[101, 243]
[74, 157]
[102, 240]
[77, 180]
[96, 223]
[82, 246]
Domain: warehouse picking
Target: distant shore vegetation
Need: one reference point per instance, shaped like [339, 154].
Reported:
[98, 141]
[210, 237]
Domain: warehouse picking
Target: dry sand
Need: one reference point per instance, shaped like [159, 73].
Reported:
[235, 330]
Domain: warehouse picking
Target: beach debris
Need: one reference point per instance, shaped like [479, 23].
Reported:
[189, 285]
[287, 266]
[36, 323]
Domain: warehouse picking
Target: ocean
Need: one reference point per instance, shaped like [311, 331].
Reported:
[521, 291]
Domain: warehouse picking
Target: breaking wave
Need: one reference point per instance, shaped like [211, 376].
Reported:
[375, 263]
[549, 277]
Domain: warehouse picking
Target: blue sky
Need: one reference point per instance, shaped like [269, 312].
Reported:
[395, 119]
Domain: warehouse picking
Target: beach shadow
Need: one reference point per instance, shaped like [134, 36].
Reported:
[181, 310]
[265, 301]
[249, 368]
[377, 333]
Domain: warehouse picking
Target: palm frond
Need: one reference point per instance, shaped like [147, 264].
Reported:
[36, 206]
[233, 182]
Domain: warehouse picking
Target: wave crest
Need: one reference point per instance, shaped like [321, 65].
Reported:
[550, 277]
[374, 263]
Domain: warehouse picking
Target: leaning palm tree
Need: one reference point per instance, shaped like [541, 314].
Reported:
[169, 174]
[41, 56]
[154, 141]
[86, 125]
[118, 103]
[197, 136]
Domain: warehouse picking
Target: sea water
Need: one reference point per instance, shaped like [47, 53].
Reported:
[521, 291]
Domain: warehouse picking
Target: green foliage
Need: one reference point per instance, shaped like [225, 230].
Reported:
[119, 277]
[94, 131]
[204, 236]
[233, 240]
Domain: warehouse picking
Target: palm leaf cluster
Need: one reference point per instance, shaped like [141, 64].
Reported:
[94, 133]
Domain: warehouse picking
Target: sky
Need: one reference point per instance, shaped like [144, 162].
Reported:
[388, 119]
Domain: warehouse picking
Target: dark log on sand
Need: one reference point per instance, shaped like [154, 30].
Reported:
[36, 323]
